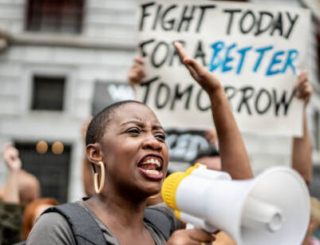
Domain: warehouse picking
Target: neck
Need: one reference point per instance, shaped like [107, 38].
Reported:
[117, 211]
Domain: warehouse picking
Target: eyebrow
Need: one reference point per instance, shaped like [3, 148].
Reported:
[142, 125]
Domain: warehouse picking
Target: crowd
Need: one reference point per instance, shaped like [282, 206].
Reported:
[126, 149]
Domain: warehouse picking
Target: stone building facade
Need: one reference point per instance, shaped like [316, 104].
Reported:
[90, 41]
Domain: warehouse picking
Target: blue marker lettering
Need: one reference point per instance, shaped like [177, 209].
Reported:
[242, 53]
[228, 59]
[275, 61]
[262, 52]
[216, 60]
[293, 55]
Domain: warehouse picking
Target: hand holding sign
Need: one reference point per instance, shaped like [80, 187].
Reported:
[303, 88]
[137, 73]
[206, 80]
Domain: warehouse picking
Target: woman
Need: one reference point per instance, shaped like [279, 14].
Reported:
[126, 145]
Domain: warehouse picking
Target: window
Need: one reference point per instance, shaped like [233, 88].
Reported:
[48, 93]
[50, 168]
[58, 16]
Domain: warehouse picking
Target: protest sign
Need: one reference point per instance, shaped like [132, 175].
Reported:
[256, 51]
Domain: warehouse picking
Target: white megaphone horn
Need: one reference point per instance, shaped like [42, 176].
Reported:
[271, 209]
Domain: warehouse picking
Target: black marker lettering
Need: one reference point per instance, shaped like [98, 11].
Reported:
[165, 54]
[247, 93]
[261, 29]
[292, 23]
[257, 104]
[203, 10]
[165, 88]
[178, 96]
[244, 18]
[200, 54]
[282, 102]
[199, 106]
[144, 13]
[147, 91]
[231, 12]
[141, 46]
[186, 18]
[171, 22]
[277, 25]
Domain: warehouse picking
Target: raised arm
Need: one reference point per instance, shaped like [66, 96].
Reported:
[234, 158]
[11, 158]
[10, 212]
[302, 148]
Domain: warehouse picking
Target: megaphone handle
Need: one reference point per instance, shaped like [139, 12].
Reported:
[195, 222]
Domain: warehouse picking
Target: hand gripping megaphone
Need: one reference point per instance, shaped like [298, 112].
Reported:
[271, 209]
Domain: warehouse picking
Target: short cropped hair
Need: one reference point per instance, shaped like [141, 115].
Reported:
[99, 123]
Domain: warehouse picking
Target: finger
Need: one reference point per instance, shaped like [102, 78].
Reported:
[302, 87]
[199, 70]
[141, 72]
[305, 89]
[136, 76]
[138, 60]
[194, 67]
[200, 235]
[306, 94]
[302, 78]
[192, 71]
[183, 55]
[7, 146]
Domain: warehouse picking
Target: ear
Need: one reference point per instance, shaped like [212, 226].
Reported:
[94, 153]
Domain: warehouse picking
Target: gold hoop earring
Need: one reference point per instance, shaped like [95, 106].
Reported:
[102, 179]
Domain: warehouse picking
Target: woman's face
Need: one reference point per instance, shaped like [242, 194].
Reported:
[134, 151]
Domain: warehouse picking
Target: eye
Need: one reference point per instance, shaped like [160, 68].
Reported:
[161, 137]
[133, 131]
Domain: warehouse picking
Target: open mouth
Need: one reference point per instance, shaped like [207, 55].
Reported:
[151, 165]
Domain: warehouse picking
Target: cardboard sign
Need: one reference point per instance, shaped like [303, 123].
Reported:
[256, 51]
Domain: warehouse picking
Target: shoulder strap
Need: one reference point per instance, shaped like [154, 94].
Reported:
[85, 229]
[159, 221]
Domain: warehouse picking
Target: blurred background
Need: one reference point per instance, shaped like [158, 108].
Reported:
[63, 60]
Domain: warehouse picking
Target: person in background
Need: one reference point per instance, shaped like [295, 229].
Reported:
[10, 209]
[20, 189]
[302, 146]
[27, 184]
[32, 211]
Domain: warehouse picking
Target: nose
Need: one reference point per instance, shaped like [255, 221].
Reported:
[151, 143]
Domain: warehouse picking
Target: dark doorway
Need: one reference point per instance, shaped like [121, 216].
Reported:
[50, 168]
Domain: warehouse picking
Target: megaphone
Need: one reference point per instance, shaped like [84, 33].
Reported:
[271, 209]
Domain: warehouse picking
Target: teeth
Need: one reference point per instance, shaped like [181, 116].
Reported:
[152, 161]
[152, 171]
